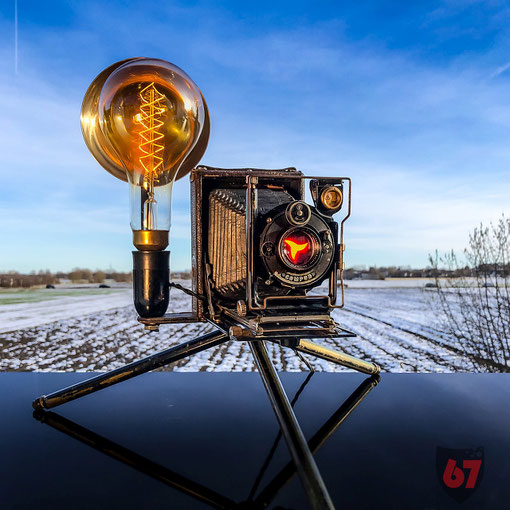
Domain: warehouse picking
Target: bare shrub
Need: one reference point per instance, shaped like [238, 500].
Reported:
[476, 303]
[98, 277]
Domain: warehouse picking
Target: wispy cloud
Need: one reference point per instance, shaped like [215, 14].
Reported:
[500, 70]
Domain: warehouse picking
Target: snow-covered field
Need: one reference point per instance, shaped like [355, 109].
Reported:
[92, 329]
[22, 309]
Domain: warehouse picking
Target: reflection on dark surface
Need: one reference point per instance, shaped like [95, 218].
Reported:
[320, 437]
[134, 460]
[211, 433]
[196, 490]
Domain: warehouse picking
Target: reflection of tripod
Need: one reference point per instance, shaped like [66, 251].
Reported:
[194, 489]
[299, 449]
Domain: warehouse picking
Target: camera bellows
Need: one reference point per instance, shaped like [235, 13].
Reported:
[227, 240]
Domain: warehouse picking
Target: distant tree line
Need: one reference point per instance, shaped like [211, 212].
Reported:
[381, 273]
[80, 275]
[36, 278]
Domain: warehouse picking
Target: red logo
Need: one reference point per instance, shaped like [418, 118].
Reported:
[460, 471]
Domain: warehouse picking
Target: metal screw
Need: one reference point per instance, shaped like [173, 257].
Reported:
[235, 332]
[241, 308]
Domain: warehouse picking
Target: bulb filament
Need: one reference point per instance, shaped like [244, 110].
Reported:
[151, 113]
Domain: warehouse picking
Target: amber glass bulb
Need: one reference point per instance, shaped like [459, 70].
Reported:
[96, 142]
[151, 116]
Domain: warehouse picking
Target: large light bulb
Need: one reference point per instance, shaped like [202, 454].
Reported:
[101, 148]
[150, 115]
[146, 122]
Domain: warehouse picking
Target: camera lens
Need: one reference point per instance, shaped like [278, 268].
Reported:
[298, 248]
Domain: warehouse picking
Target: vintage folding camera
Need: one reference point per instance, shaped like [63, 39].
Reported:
[265, 260]
[267, 248]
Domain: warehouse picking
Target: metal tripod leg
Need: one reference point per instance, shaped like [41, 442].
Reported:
[307, 468]
[131, 370]
[337, 357]
[318, 439]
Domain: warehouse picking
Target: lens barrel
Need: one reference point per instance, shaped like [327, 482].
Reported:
[297, 255]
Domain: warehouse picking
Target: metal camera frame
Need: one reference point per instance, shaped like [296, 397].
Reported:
[289, 331]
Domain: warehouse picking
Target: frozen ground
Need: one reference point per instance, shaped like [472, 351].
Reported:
[22, 309]
[92, 329]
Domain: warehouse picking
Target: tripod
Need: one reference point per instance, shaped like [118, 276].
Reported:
[299, 449]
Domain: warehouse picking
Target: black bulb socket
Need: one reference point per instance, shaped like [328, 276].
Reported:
[151, 282]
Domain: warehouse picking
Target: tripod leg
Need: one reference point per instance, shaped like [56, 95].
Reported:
[337, 357]
[132, 370]
[319, 438]
[309, 473]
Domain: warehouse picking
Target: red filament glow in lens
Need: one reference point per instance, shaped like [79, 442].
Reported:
[298, 247]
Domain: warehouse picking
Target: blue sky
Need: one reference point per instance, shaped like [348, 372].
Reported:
[410, 99]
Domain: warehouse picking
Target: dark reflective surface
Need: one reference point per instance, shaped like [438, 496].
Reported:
[119, 448]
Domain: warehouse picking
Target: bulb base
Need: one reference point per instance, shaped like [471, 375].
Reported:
[150, 240]
[151, 282]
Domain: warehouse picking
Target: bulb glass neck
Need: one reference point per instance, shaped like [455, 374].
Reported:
[150, 206]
